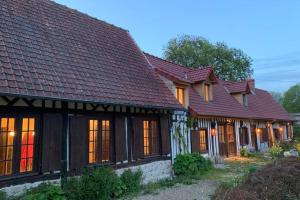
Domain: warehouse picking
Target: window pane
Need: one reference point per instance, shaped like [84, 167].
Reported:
[146, 137]
[206, 93]
[105, 140]
[2, 153]
[180, 95]
[203, 139]
[27, 147]
[8, 167]
[93, 127]
[4, 124]
[31, 124]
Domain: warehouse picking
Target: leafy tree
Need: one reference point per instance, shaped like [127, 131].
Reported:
[277, 96]
[291, 100]
[196, 52]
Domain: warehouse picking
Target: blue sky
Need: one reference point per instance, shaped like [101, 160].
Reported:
[268, 31]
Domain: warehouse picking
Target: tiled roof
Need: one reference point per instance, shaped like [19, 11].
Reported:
[179, 72]
[50, 51]
[264, 106]
[236, 87]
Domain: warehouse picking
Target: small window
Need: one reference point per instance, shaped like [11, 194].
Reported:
[203, 141]
[206, 92]
[230, 133]
[7, 135]
[180, 95]
[245, 100]
[263, 133]
[27, 144]
[150, 138]
[221, 134]
[99, 144]
[244, 139]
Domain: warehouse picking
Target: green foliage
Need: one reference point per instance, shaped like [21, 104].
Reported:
[97, 184]
[277, 96]
[229, 63]
[291, 100]
[297, 146]
[191, 164]
[131, 181]
[287, 145]
[44, 192]
[2, 195]
[244, 152]
[252, 169]
[296, 132]
[276, 151]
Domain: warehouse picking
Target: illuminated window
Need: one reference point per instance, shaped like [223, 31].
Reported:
[27, 144]
[221, 134]
[203, 141]
[7, 134]
[180, 95]
[93, 138]
[104, 145]
[230, 133]
[206, 92]
[105, 140]
[151, 138]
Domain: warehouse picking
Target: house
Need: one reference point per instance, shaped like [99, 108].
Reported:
[296, 118]
[226, 116]
[76, 92]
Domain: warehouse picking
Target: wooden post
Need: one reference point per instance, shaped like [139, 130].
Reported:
[65, 146]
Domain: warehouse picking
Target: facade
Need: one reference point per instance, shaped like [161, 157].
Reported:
[76, 92]
[226, 116]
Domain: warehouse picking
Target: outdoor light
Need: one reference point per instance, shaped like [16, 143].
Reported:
[213, 131]
[258, 130]
[12, 133]
[281, 129]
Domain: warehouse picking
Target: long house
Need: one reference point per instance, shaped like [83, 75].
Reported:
[77, 92]
[226, 116]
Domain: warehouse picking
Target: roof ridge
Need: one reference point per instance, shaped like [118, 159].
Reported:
[73, 10]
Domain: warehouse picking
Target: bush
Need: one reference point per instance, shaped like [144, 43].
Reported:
[276, 151]
[97, 184]
[244, 152]
[131, 181]
[287, 145]
[44, 191]
[2, 195]
[191, 164]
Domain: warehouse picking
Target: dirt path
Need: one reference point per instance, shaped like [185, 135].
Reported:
[198, 191]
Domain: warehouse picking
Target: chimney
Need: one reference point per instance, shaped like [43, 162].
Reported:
[251, 83]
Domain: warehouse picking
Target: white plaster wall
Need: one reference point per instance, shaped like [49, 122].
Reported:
[152, 172]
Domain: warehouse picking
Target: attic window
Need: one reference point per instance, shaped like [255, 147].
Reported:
[245, 100]
[206, 92]
[180, 95]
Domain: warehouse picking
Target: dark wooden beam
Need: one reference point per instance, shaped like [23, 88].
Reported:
[29, 102]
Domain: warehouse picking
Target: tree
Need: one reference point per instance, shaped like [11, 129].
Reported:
[277, 96]
[291, 100]
[196, 52]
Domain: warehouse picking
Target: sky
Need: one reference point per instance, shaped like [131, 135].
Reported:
[268, 31]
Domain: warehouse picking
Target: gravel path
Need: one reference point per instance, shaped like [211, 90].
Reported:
[197, 191]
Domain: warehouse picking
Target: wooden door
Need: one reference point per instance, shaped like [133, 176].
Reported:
[221, 138]
[230, 140]
[254, 137]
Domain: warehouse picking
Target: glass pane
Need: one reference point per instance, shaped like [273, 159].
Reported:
[3, 138]
[91, 147]
[11, 124]
[25, 124]
[95, 124]
[4, 124]
[24, 137]
[24, 151]
[9, 154]
[30, 151]
[29, 164]
[31, 137]
[23, 165]
[91, 124]
[2, 153]
[31, 124]
[11, 136]
[2, 168]
[8, 167]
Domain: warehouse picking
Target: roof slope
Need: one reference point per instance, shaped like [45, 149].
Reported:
[236, 87]
[179, 72]
[48, 50]
[264, 106]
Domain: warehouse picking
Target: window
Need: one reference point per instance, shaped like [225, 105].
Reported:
[277, 134]
[221, 134]
[244, 139]
[245, 100]
[263, 132]
[206, 92]
[203, 141]
[150, 138]
[27, 144]
[93, 140]
[230, 133]
[7, 134]
[180, 95]
[99, 144]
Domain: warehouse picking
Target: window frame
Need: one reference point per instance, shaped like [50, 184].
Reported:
[99, 150]
[206, 141]
[207, 92]
[18, 142]
[158, 136]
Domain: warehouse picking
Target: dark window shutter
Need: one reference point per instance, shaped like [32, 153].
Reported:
[137, 138]
[78, 142]
[52, 142]
[120, 139]
[195, 141]
[165, 135]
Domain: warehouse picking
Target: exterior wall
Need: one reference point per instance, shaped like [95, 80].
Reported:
[152, 172]
[238, 97]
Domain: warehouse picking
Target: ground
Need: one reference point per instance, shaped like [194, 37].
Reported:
[229, 173]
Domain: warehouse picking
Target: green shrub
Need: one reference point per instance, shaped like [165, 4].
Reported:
[297, 146]
[2, 195]
[252, 169]
[244, 152]
[44, 192]
[287, 145]
[276, 151]
[131, 181]
[191, 164]
[97, 184]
